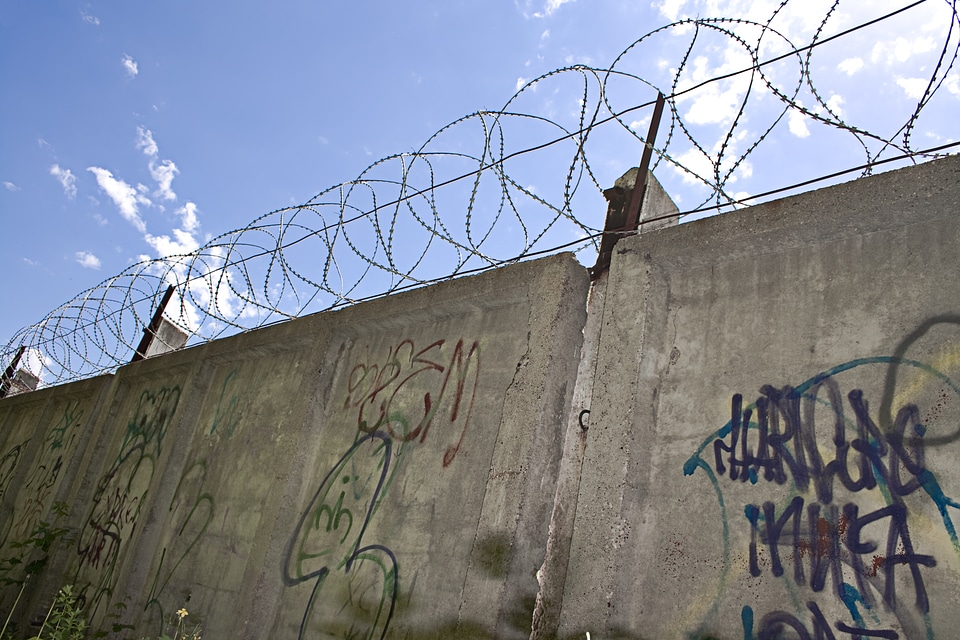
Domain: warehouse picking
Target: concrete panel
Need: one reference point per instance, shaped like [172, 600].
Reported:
[385, 469]
[438, 429]
[44, 434]
[227, 484]
[773, 429]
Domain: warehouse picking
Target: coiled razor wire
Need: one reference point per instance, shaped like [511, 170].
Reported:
[474, 195]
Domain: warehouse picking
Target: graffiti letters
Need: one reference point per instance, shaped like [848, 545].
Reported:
[120, 495]
[412, 388]
[329, 544]
[415, 395]
[42, 479]
[844, 530]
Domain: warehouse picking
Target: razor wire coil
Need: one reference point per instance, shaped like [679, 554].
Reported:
[414, 218]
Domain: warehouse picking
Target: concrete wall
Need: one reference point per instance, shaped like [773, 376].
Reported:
[385, 469]
[758, 439]
[773, 432]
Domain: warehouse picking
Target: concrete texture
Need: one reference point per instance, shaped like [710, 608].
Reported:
[773, 426]
[752, 436]
[43, 437]
[658, 209]
[384, 470]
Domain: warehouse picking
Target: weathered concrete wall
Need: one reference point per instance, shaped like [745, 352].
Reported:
[387, 468]
[773, 431]
[760, 443]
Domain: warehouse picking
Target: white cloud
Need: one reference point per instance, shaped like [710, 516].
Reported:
[913, 87]
[717, 102]
[640, 126]
[89, 19]
[10, 186]
[797, 122]
[323, 140]
[164, 173]
[130, 66]
[901, 49]
[952, 84]
[521, 81]
[549, 7]
[553, 5]
[87, 260]
[851, 65]
[697, 162]
[146, 143]
[123, 195]
[835, 104]
[182, 243]
[670, 9]
[66, 179]
[188, 217]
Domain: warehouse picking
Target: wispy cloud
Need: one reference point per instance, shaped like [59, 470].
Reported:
[181, 243]
[901, 49]
[89, 19]
[66, 179]
[797, 123]
[851, 65]
[553, 5]
[127, 199]
[146, 143]
[835, 104]
[130, 66]
[10, 186]
[548, 9]
[87, 260]
[188, 217]
[913, 87]
[164, 173]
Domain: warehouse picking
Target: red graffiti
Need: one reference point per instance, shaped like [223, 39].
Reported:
[413, 389]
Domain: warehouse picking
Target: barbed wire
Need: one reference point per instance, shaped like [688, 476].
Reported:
[441, 211]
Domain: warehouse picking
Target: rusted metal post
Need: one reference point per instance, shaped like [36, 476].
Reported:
[151, 331]
[622, 216]
[640, 188]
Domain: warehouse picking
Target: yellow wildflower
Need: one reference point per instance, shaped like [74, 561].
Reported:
[182, 613]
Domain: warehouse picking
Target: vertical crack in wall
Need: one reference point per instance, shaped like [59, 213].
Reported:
[552, 574]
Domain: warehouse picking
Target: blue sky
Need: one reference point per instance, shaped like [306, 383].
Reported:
[135, 130]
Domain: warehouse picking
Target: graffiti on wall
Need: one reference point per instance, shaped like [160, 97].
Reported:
[413, 387]
[120, 494]
[856, 500]
[8, 465]
[192, 507]
[227, 414]
[42, 479]
[189, 514]
[35, 495]
[413, 395]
